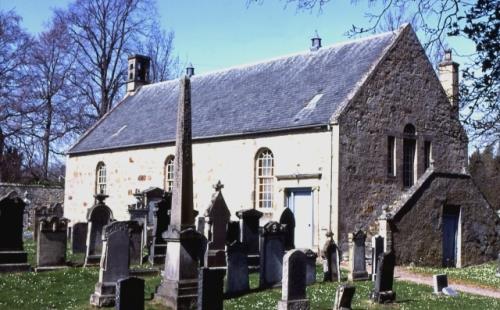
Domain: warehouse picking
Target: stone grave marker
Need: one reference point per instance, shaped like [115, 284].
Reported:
[130, 294]
[357, 261]
[331, 259]
[98, 217]
[343, 297]
[200, 225]
[377, 249]
[272, 244]
[233, 232]
[139, 213]
[79, 238]
[13, 258]
[114, 263]
[237, 281]
[293, 289]
[51, 243]
[249, 229]
[211, 288]
[217, 216]
[449, 291]
[40, 212]
[439, 281]
[310, 266]
[383, 293]
[158, 248]
[288, 218]
[136, 242]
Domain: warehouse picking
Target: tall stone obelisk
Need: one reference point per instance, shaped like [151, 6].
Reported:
[185, 246]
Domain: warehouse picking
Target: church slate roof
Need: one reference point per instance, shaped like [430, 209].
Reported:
[296, 91]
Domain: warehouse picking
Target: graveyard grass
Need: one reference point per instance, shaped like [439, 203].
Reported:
[71, 289]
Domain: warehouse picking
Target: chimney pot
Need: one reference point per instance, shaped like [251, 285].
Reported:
[315, 42]
[448, 76]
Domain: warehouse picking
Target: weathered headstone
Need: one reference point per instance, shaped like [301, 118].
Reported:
[114, 263]
[217, 216]
[233, 232]
[211, 288]
[440, 281]
[383, 293]
[288, 218]
[331, 259]
[51, 243]
[136, 242]
[310, 265]
[343, 297]
[139, 213]
[357, 263]
[130, 294]
[40, 212]
[377, 249]
[98, 216]
[158, 248]
[249, 229]
[12, 254]
[79, 238]
[293, 289]
[237, 281]
[272, 245]
[200, 225]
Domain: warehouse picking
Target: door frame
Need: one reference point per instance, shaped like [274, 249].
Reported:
[287, 193]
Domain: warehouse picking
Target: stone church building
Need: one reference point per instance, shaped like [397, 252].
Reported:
[357, 135]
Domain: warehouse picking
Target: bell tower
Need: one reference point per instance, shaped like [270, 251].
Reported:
[138, 72]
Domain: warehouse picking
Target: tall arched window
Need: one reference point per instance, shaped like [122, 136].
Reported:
[100, 181]
[169, 173]
[264, 178]
[409, 143]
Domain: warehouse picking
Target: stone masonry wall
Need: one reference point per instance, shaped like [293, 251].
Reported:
[403, 89]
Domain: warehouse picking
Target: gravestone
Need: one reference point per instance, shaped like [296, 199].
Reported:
[158, 248]
[233, 232]
[383, 293]
[237, 281]
[136, 242]
[310, 266]
[79, 238]
[139, 213]
[114, 263]
[343, 297]
[293, 289]
[200, 226]
[217, 216]
[377, 249]
[272, 249]
[40, 212]
[98, 217]
[130, 294]
[449, 291]
[287, 218]
[357, 261]
[249, 229]
[12, 255]
[211, 288]
[51, 243]
[439, 281]
[331, 259]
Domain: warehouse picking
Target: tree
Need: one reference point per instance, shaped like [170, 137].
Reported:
[484, 168]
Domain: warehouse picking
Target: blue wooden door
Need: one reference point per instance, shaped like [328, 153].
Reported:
[450, 235]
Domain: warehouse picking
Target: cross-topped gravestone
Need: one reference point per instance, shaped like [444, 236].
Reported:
[217, 216]
[51, 243]
[343, 297]
[130, 294]
[288, 218]
[377, 249]
[272, 245]
[12, 254]
[331, 259]
[249, 229]
[383, 293]
[79, 238]
[98, 216]
[237, 281]
[161, 220]
[114, 262]
[293, 289]
[357, 264]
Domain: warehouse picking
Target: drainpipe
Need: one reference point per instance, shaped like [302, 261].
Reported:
[331, 178]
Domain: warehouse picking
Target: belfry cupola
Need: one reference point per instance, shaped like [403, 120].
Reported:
[138, 72]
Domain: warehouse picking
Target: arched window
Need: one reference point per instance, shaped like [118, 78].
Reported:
[409, 167]
[264, 178]
[169, 173]
[100, 181]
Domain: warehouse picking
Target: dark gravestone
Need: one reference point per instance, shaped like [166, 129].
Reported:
[150, 197]
[293, 289]
[249, 228]
[136, 242]
[310, 266]
[218, 216]
[130, 294]
[98, 216]
[237, 281]
[233, 232]
[383, 293]
[331, 259]
[12, 254]
[114, 263]
[211, 288]
[79, 238]
[357, 261]
[158, 248]
[51, 243]
[377, 249]
[343, 297]
[287, 218]
[440, 281]
[272, 244]
[138, 213]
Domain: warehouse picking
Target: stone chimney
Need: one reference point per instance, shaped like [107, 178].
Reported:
[448, 75]
[315, 42]
[190, 70]
[138, 72]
